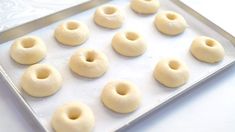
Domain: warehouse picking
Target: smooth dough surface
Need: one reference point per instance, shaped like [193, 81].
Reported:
[41, 80]
[109, 16]
[129, 43]
[207, 49]
[73, 117]
[121, 96]
[145, 6]
[72, 33]
[170, 23]
[171, 72]
[89, 63]
[28, 50]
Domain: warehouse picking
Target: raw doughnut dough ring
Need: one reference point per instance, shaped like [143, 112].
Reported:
[109, 16]
[121, 96]
[41, 80]
[89, 63]
[170, 23]
[171, 72]
[72, 33]
[73, 117]
[207, 49]
[28, 50]
[129, 43]
[145, 6]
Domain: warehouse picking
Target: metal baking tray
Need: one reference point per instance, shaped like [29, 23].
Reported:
[138, 70]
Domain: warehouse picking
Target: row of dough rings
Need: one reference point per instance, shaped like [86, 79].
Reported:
[118, 96]
[92, 63]
[172, 72]
[42, 80]
[167, 22]
[109, 16]
[75, 33]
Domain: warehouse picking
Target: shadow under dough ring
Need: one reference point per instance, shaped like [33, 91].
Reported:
[129, 43]
[41, 80]
[73, 117]
[170, 23]
[89, 63]
[145, 6]
[121, 96]
[109, 16]
[72, 33]
[28, 50]
[207, 49]
[171, 72]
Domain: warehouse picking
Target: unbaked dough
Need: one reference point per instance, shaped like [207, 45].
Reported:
[72, 33]
[73, 117]
[41, 80]
[207, 49]
[89, 63]
[129, 43]
[28, 50]
[145, 6]
[171, 72]
[170, 23]
[121, 96]
[109, 16]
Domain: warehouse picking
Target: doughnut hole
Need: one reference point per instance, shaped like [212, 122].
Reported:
[42, 73]
[108, 10]
[122, 89]
[210, 43]
[132, 36]
[171, 16]
[28, 42]
[74, 113]
[174, 65]
[72, 25]
[90, 56]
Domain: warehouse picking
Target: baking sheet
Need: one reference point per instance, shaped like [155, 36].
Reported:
[137, 70]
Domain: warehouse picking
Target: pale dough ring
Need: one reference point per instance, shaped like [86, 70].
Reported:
[207, 49]
[171, 72]
[28, 50]
[72, 33]
[89, 63]
[121, 96]
[73, 117]
[145, 6]
[109, 16]
[129, 43]
[170, 23]
[41, 80]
